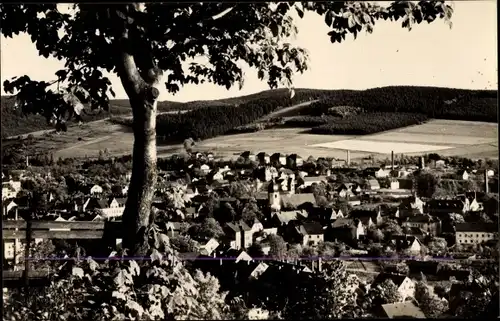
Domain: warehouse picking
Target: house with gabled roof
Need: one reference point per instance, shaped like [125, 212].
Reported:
[367, 217]
[238, 234]
[10, 209]
[278, 158]
[475, 233]
[408, 243]
[345, 229]
[284, 217]
[209, 247]
[311, 232]
[263, 158]
[462, 175]
[405, 286]
[440, 207]
[402, 310]
[426, 222]
[373, 185]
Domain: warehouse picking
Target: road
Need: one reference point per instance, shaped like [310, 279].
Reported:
[288, 109]
[46, 131]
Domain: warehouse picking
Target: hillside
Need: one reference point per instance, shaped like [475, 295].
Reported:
[217, 117]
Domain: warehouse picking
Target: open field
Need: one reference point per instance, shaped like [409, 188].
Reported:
[381, 147]
[468, 139]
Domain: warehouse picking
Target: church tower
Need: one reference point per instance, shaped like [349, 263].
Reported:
[274, 196]
[292, 183]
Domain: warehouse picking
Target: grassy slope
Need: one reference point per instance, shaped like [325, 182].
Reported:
[13, 123]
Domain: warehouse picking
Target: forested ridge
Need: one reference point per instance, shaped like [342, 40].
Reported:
[217, 117]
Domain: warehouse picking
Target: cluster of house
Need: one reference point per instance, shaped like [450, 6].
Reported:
[284, 194]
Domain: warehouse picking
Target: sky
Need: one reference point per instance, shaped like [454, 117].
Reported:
[464, 56]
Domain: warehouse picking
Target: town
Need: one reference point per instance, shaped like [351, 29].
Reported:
[425, 227]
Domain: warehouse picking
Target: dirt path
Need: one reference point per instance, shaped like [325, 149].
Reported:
[46, 131]
[287, 109]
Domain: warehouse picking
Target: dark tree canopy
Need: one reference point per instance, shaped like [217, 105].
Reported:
[147, 44]
[164, 35]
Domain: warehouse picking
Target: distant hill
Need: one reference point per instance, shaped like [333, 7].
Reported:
[434, 102]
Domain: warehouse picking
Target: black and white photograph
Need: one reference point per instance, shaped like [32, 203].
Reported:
[249, 160]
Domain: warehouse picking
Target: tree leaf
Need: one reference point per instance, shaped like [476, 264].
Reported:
[134, 268]
[329, 18]
[136, 307]
[351, 22]
[92, 264]
[156, 256]
[118, 295]
[275, 28]
[76, 271]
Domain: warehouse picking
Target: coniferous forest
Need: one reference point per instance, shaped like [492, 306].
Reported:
[334, 111]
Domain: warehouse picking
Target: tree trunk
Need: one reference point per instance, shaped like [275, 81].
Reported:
[140, 88]
[136, 217]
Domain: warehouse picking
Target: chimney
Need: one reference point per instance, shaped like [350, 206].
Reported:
[319, 264]
[486, 186]
[348, 161]
[392, 160]
[422, 162]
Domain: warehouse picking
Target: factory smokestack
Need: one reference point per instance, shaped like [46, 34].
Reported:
[486, 186]
[348, 161]
[392, 160]
[422, 162]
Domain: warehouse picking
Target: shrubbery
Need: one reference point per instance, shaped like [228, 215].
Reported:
[369, 123]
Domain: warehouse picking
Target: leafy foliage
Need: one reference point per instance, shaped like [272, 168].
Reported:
[429, 302]
[161, 36]
[329, 295]
[154, 290]
[278, 248]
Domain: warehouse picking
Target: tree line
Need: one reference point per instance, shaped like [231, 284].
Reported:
[368, 123]
[447, 103]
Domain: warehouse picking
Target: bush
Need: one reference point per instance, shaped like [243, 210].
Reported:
[122, 290]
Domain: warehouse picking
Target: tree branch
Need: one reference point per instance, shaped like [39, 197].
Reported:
[223, 13]
[127, 68]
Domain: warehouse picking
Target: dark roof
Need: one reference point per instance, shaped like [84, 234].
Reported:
[299, 199]
[343, 222]
[403, 310]
[382, 277]
[311, 228]
[445, 205]
[476, 227]
[238, 226]
[403, 241]
[359, 214]
[423, 218]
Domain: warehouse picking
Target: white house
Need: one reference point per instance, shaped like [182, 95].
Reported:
[209, 247]
[258, 314]
[205, 168]
[490, 173]
[381, 173]
[96, 189]
[463, 175]
[9, 207]
[406, 287]
[394, 184]
[440, 163]
[114, 208]
[10, 189]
